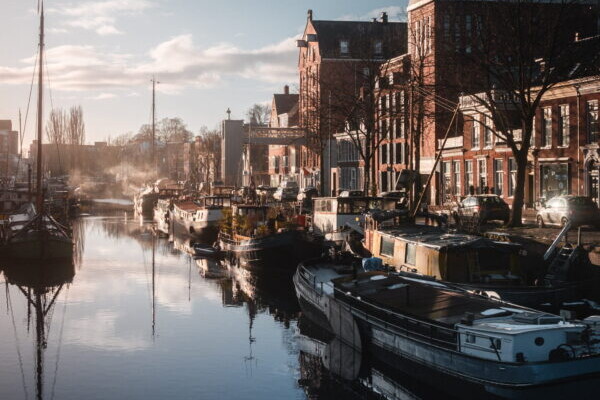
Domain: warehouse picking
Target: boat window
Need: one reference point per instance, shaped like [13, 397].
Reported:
[471, 338]
[387, 246]
[323, 205]
[411, 253]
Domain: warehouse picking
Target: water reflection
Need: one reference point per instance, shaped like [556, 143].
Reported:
[40, 284]
[144, 319]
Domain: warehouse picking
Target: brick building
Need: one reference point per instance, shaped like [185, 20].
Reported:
[563, 158]
[284, 159]
[443, 37]
[9, 149]
[330, 58]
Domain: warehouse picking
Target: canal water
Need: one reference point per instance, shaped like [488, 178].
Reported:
[136, 317]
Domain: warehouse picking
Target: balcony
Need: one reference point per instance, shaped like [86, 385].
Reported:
[480, 102]
[452, 143]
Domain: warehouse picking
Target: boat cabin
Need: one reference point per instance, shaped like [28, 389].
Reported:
[216, 201]
[451, 257]
[330, 214]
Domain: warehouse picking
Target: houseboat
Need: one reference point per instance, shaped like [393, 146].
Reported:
[162, 216]
[259, 235]
[147, 197]
[333, 215]
[200, 218]
[503, 349]
[498, 269]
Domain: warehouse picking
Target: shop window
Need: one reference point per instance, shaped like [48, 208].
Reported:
[555, 180]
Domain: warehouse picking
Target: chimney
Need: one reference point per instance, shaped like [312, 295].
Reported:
[310, 15]
[384, 17]
[286, 89]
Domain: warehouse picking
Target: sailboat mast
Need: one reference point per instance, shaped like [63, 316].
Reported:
[39, 197]
[154, 126]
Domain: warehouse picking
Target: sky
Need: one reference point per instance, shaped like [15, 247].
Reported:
[208, 56]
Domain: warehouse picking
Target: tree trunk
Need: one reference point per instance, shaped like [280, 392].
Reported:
[519, 195]
[367, 178]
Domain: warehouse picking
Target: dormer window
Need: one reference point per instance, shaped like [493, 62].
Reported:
[344, 47]
[378, 48]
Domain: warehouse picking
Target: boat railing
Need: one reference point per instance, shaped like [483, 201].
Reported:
[409, 327]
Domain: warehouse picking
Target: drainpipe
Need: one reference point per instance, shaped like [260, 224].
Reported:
[578, 142]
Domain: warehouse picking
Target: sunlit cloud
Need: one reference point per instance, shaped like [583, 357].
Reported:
[99, 16]
[178, 62]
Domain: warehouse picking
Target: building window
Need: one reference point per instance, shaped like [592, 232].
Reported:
[457, 185]
[378, 47]
[532, 138]
[512, 176]
[563, 126]
[592, 121]
[411, 253]
[399, 153]
[475, 134]
[344, 47]
[488, 134]
[457, 44]
[498, 176]
[547, 128]
[468, 33]
[555, 180]
[447, 29]
[482, 171]
[387, 246]
[469, 176]
[447, 177]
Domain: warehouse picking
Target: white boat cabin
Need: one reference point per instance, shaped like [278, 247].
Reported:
[330, 214]
[512, 335]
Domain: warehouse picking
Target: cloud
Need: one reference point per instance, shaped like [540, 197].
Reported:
[177, 62]
[103, 96]
[99, 16]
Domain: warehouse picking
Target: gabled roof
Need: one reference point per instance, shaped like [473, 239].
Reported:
[283, 103]
[358, 34]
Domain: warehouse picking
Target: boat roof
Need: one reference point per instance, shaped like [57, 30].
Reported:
[425, 300]
[432, 236]
[187, 206]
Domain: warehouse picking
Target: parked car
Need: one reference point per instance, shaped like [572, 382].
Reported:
[306, 195]
[484, 207]
[286, 194]
[580, 210]
[351, 193]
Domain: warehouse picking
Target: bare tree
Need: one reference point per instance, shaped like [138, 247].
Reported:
[258, 114]
[56, 127]
[173, 130]
[521, 49]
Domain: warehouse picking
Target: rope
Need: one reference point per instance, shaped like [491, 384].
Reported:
[27, 111]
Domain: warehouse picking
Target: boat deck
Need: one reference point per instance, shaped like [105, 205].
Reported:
[423, 300]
